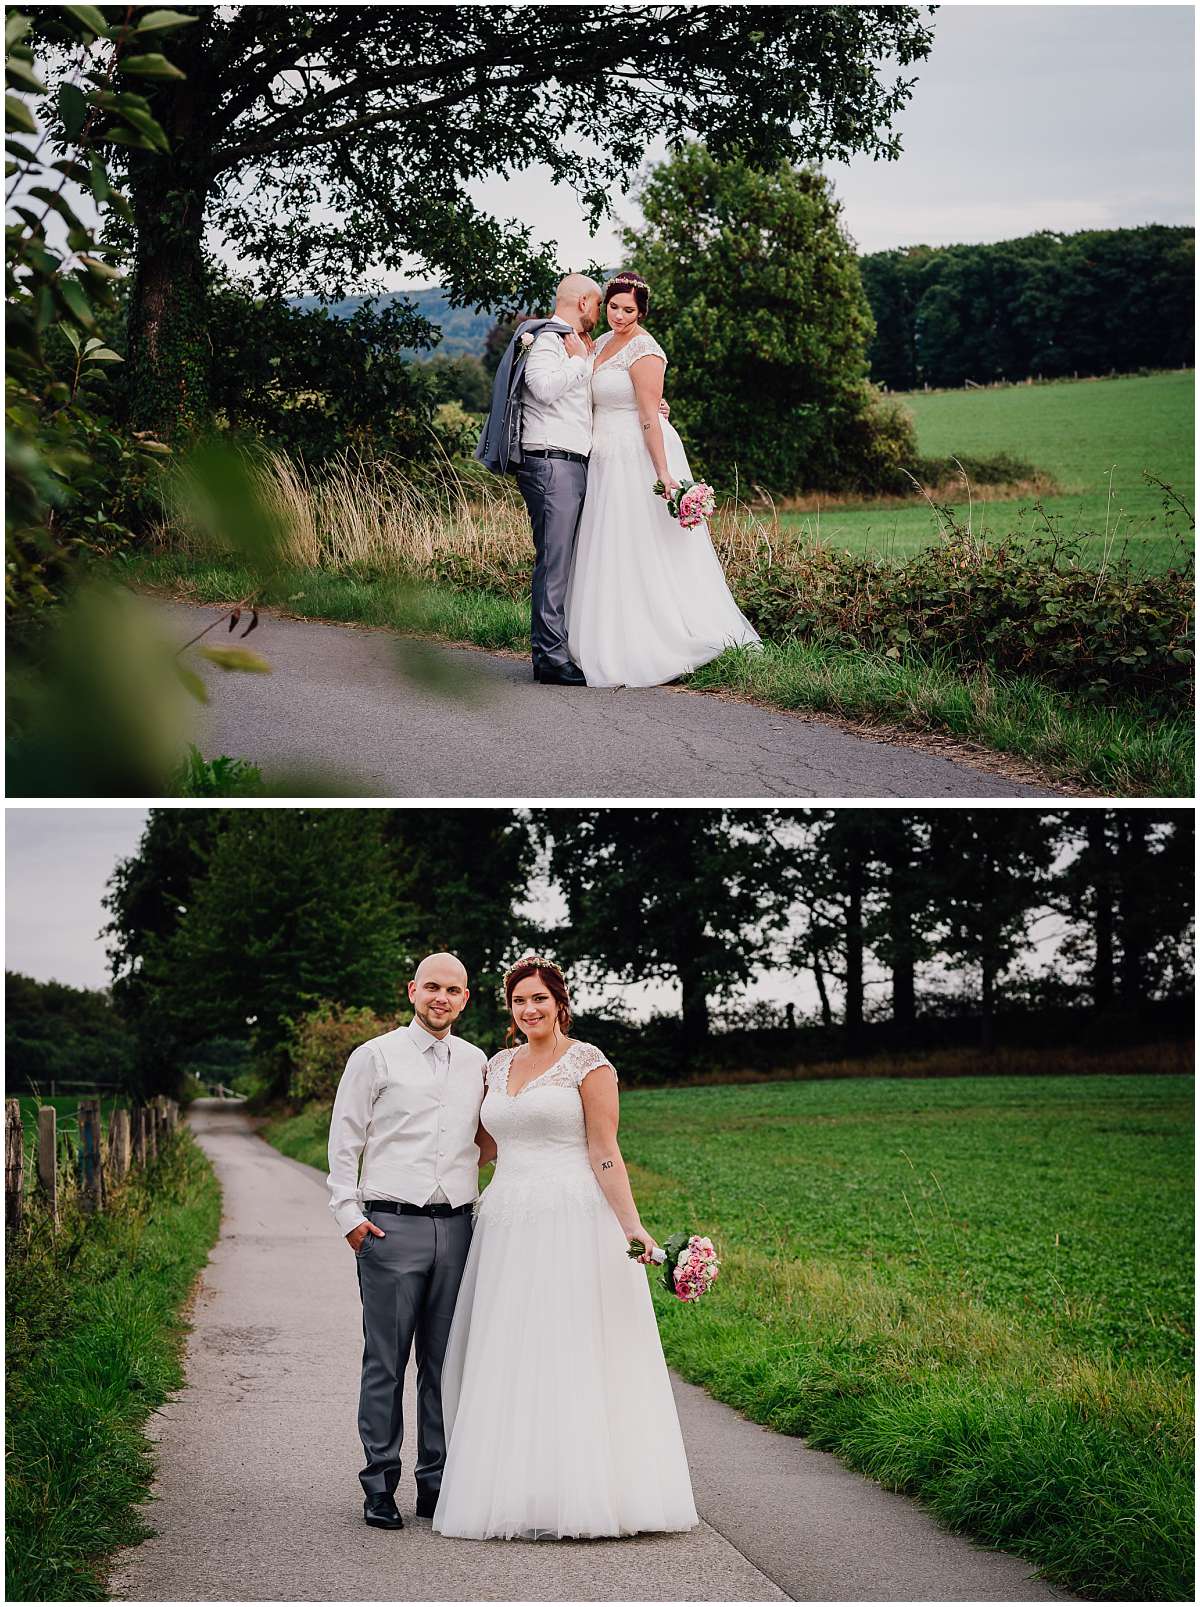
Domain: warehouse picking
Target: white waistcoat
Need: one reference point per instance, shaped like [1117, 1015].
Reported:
[423, 1123]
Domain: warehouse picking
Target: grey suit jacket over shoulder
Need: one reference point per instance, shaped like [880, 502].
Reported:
[499, 446]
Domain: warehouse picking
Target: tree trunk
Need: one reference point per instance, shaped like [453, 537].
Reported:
[900, 936]
[695, 1007]
[169, 356]
[1101, 869]
[1132, 852]
[854, 949]
[818, 972]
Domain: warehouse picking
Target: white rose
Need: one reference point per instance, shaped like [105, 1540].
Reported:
[527, 340]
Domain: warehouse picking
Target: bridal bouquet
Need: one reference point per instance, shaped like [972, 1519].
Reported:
[691, 504]
[690, 1265]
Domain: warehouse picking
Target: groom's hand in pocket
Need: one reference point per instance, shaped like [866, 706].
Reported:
[357, 1235]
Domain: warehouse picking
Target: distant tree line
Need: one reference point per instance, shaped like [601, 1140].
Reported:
[237, 926]
[1048, 304]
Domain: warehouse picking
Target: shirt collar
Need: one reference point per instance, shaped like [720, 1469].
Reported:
[422, 1038]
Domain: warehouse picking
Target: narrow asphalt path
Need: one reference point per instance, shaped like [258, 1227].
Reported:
[257, 1497]
[367, 714]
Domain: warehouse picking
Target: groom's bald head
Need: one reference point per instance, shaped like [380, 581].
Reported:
[577, 300]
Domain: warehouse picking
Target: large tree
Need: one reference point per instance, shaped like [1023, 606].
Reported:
[464, 872]
[661, 894]
[328, 144]
[757, 299]
[293, 906]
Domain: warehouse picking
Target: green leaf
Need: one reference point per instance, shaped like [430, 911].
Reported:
[90, 17]
[149, 127]
[126, 136]
[57, 203]
[159, 21]
[73, 109]
[120, 206]
[17, 115]
[102, 270]
[73, 170]
[72, 335]
[103, 355]
[151, 66]
[101, 190]
[236, 658]
[70, 292]
[192, 682]
[14, 67]
[16, 27]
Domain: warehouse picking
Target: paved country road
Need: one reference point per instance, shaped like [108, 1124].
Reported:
[257, 1497]
[369, 714]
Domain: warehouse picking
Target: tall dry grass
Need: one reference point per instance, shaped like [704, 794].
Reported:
[449, 525]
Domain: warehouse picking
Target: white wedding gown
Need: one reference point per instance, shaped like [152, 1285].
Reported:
[558, 1408]
[646, 600]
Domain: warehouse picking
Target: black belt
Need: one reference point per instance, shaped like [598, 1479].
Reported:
[552, 452]
[403, 1207]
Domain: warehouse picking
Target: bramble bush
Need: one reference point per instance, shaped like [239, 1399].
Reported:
[1029, 606]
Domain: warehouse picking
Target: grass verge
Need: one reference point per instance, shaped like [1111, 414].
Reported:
[95, 1338]
[1116, 752]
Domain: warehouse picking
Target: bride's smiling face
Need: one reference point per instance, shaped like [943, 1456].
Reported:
[622, 312]
[534, 1008]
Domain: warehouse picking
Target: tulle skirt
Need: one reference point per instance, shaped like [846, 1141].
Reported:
[558, 1408]
[647, 600]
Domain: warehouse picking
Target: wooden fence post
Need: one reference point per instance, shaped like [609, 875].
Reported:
[151, 1135]
[91, 1155]
[47, 1161]
[139, 1136]
[118, 1144]
[14, 1165]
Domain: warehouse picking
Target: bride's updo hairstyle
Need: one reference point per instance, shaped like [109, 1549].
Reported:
[537, 965]
[628, 283]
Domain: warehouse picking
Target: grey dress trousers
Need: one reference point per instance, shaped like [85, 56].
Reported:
[409, 1282]
[553, 489]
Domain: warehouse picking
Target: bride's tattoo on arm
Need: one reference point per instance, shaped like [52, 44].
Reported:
[606, 1166]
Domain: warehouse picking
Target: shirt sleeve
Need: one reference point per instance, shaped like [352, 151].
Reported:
[348, 1134]
[550, 373]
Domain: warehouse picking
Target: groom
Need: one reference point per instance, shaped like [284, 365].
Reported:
[408, 1105]
[540, 426]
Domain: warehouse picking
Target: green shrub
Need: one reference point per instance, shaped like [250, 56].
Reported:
[1024, 608]
[320, 1044]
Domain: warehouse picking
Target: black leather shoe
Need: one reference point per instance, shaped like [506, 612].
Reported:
[380, 1512]
[560, 675]
[426, 1503]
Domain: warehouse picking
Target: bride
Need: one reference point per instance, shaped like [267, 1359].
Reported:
[646, 600]
[557, 1405]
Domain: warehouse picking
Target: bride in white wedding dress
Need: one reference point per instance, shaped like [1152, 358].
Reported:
[646, 600]
[558, 1409]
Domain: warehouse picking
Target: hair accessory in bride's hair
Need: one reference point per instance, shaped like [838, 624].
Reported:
[625, 281]
[531, 959]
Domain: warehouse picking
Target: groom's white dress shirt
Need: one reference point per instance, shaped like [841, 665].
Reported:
[558, 395]
[408, 1104]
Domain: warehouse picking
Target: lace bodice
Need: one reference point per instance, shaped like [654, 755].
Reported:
[615, 425]
[540, 1134]
[642, 345]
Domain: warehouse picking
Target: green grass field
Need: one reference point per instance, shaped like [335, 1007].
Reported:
[1076, 431]
[976, 1290]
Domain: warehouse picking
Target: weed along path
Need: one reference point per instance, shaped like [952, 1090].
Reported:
[364, 713]
[257, 1495]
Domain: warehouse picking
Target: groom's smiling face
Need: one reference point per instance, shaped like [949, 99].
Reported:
[438, 992]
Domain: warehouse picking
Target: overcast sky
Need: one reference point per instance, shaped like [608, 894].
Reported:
[1023, 118]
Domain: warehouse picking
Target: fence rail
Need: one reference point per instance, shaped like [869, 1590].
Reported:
[92, 1164]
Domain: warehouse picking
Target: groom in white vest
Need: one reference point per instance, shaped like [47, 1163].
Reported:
[408, 1106]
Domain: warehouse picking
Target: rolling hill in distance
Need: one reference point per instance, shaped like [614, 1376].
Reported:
[463, 331]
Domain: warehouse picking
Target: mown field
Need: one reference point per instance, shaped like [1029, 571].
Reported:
[1077, 431]
[976, 1290]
